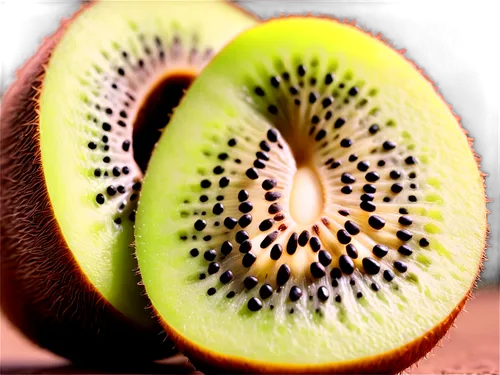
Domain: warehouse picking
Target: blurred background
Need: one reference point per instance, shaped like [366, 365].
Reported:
[453, 42]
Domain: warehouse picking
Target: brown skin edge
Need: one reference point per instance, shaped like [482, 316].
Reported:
[390, 362]
[43, 290]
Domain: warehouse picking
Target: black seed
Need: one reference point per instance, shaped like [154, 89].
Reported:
[388, 145]
[194, 253]
[230, 222]
[400, 266]
[250, 282]
[323, 293]
[274, 208]
[335, 273]
[199, 225]
[327, 101]
[388, 275]
[412, 198]
[328, 78]
[343, 212]
[276, 252]
[97, 172]
[317, 270]
[369, 188]
[343, 237]
[413, 186]
[359, 295]
[248, 259]
[92, 145]
[346, 143]
[245, 246]
[272, 135]
[375, 287]
[304, 238]
[241, 236]
[403, 211]
[346, 189]
[266, 225]
[272, 109]
[386, 199]
[116, 172]
[346, 264]
[424, 242]
[265, 291]
[254, 304]
[295, 293]
[371, 266]
[363, 166]
[297, 102]
[259, 164]
[335, 164]
[210, 255]
[405, 220]
[410, 160]
[125, 170]
[203, 198]
[395, 174]
[258, 90]
[243, 195]
[218, 209]
[223, 156]
[412, 175]
[213, 267]
[396, 188]
[352, 282]
[339, 123]
[205, 184]
[231, 294]
[245, 220]
[380, 250]
[293, 90]
[372, 176]
[269, 239]
[321, 134]
[347, 178]
[367, 206]
[133, 197]
[271, 196]
[99, 198]
[353, 91]
[352, 251]
[226, 248]
[245, 207]
[353, 157]
[367, 197]
[324, 258]
[405, 250]
[111, 190]
[226, 277]
[313, 97]
[376, 222]
[269, 184]
[106, 159]
[262, 155]
[202, 276]
[232, 142]
[373, 129]
[291, 246]
[315, 243]
[338, 299]
[328, 115]
[211, 291]
[301, 70]
[265, 146]
[404, 235]
[275, 81]
[351, 227]
[252, 174]
[283, 274]
[223, 182]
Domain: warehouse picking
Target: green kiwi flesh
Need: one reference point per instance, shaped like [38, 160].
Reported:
[324, 210]
[106, 81]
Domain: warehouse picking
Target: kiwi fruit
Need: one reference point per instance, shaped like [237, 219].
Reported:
[325, 212]
[77, 129]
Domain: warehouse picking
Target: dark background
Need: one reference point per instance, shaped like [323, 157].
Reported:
[453, 41]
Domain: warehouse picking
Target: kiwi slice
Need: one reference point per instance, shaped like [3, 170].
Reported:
[77, 130]
[324, 210]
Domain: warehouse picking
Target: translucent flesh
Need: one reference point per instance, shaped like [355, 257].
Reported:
[219, 106]
[92, 45]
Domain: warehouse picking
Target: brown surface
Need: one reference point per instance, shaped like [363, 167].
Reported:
[473, 347]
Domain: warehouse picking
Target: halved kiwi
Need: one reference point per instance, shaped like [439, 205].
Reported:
[78, 127]
[324, 210]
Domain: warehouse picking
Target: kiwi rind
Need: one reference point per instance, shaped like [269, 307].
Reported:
[392, 361]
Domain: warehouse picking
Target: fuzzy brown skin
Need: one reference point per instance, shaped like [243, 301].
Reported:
[391, 362]
[43, 290]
